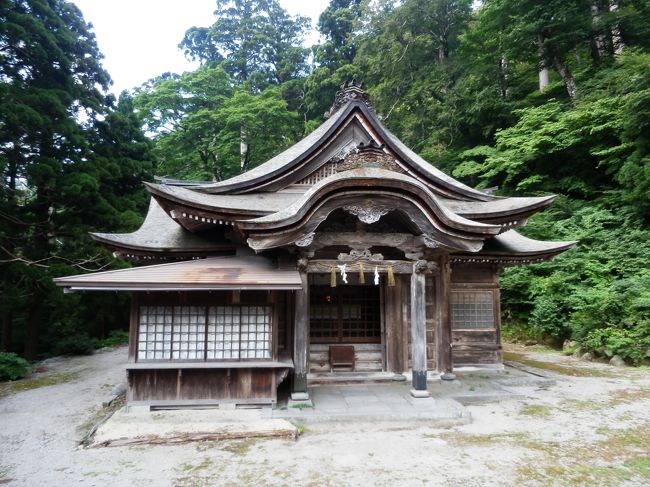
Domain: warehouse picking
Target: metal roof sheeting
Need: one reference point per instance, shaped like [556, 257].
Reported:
[215, 273]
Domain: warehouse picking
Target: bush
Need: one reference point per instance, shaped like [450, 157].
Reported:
[631, 345]
[13, 367]
[115, 338]
[81, 344]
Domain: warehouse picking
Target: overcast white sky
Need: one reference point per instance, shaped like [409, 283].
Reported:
[139, 38]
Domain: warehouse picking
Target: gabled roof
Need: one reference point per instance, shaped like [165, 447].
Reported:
[263, 176]
[347, 163]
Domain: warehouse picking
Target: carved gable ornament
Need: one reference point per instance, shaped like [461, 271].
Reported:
[348, 92]
[368, 212]
[368, 155]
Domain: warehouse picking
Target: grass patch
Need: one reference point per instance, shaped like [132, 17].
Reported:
[189, 467]
[456, 438]
[627, 396]
[38, 382]
[553, 367]
[572, 405]
[622, 455]
[639, 464]
[302, 405]
[239, 447]
[536, 411]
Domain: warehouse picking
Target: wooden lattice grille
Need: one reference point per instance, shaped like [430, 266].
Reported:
[323, 172]
[204, 333]
[344, 314]
[472, 309]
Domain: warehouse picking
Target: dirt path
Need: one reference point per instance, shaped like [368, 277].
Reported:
[589, 429]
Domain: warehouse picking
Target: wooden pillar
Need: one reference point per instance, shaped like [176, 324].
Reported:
[394, 299]
[443, 323]
[419, 329]
[299, 390]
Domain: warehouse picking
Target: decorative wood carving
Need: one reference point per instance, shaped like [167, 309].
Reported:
[364, 159]
[349, 92]
[368, 212]
[359, 255]
[305, 240]
[302, 265]
[362, 240]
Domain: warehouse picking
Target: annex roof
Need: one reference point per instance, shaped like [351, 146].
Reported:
[214, 273]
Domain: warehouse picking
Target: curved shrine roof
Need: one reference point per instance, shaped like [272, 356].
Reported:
[159, 233]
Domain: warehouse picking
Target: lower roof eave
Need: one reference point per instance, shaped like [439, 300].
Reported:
[149, 288]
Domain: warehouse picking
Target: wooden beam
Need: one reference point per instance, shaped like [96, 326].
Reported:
[443, 322]
[419, 329]
[323, 266]
[301, 341]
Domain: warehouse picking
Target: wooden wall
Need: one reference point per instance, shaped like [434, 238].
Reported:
[203, 386]
[477, 346]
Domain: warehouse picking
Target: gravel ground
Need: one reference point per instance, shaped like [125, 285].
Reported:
[593, 429]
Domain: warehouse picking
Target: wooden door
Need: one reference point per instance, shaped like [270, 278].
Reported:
[345, 314]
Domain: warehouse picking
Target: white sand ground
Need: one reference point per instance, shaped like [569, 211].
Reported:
[580, 431]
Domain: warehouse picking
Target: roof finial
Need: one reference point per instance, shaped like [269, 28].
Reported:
[350, 91]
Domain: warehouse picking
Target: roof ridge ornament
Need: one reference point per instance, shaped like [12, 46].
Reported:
[370, 154]
[349, 92]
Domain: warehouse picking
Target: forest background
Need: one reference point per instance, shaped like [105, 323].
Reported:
[520, 96]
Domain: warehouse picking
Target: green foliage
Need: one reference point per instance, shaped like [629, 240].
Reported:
[13, 367]
[115, 338]
[199, 121]
[256, 42]
[70, 161]
[81, 344]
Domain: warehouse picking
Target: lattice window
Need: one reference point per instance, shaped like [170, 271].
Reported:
[189, 333]
[255, 338]
[472, 309]
[155, 333]
[323, 172]
[204, 333]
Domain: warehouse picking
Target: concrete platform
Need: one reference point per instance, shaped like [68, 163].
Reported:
[140, 427]
[372, 402]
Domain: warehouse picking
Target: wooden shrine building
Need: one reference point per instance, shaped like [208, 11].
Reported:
[345, 252]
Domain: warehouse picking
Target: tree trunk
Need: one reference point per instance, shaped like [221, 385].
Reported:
[598, 40]
[5, 337]
[617, 39]
[543, 79]
[503, 71]
[543, 69]
[567, 77]
[243, 146]
[33, 327]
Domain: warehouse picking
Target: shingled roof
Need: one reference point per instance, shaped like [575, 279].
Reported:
[352, 154]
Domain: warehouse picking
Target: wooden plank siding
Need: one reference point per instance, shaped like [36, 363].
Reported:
[198, 386]
[480, 346]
